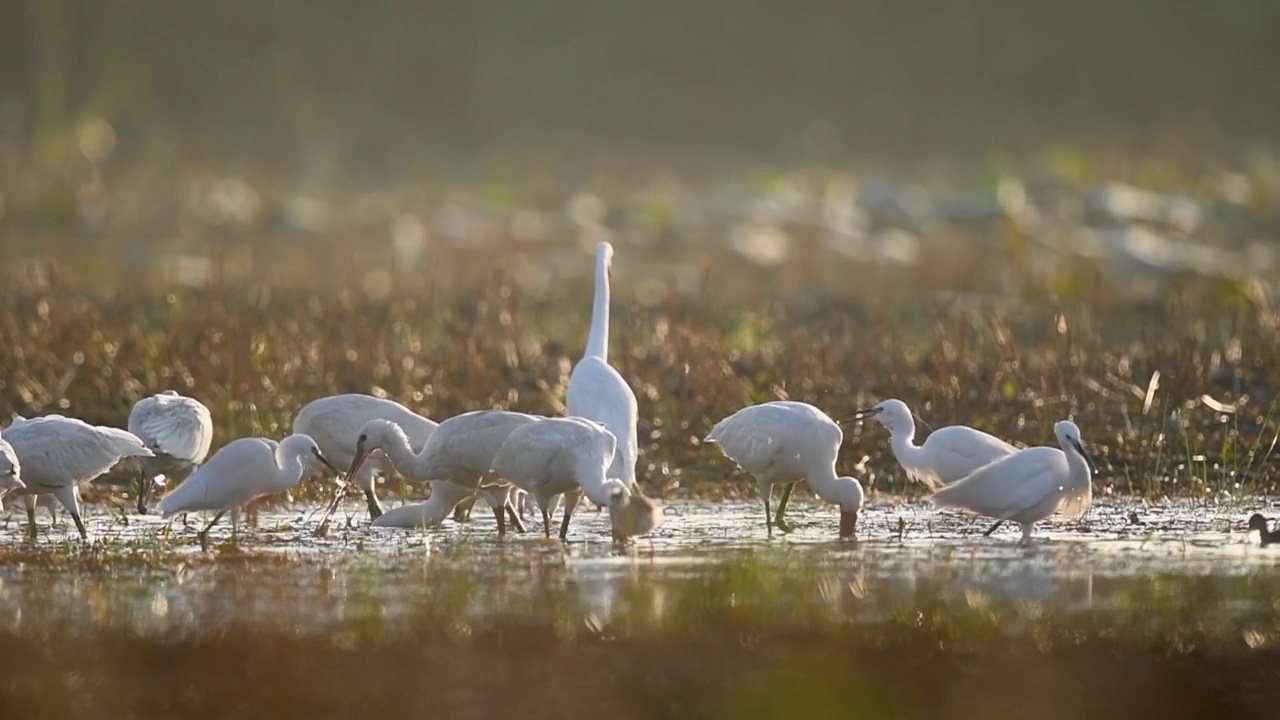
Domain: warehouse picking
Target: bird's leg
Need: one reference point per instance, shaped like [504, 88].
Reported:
[516, 522]
[84, 534]
[30, 502]
[570, 503]
[70, 499]
[1026, 535]
[204, 534]
[992, 528]
[499, 514]
[371, 500]
[462, 511]
[768, 513]
[144, 489]
[778, 520]
[546, 524]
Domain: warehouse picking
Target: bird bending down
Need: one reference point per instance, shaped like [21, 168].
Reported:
[58, 452]
[335, 422]
[596, 390]
[178, 430]
[1028, 485]
[948, 454]
[560, 456]
[782, 443]
[460, 451]
[241, 471]
[10, 469]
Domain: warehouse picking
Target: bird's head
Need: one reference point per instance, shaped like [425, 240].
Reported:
[1069, 438]
[851, 499]
[305, 447]
[893, 414]
[377, 434]
[1257, 522]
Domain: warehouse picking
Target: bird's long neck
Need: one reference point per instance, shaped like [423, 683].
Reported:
[825, 483]
[289, 469]
[405, 460]
[1081, 475]
[598, 338]
[905, 449]
[597, 487]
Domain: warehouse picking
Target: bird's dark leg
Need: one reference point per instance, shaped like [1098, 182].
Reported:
[546, 524]
[768, 513]
[371, 499]
[516, 522]
[778, 520]
[500, 515]
[30, 502]
[570, 502]
[144, 489]
[84, 534]
[204, 534]
[992, 528]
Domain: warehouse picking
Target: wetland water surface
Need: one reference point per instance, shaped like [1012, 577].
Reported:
[139, 577]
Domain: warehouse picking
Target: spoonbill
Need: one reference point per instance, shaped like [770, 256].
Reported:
[783, 442]
[335, 422]
[241, 471]
[1266, 537]
[58, 452]
[460, 450]
[178, 430]
[948, 454]
[445, 496]
[596, 390]
[1028, 485]
[559, 456]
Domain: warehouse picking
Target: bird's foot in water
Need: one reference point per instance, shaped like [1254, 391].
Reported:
[783, 525]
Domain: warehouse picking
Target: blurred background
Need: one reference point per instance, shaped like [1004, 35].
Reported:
[814, 145]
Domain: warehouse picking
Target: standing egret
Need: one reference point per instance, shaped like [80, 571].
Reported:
[948, 454]
[58, 452]
[783, 442]
[599, 392]
[242, 471]
[559, 456]
[1029, 485]
[178, 430]
[460, 450]
[335, 422]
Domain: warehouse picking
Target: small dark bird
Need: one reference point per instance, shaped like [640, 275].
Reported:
[1259, 523]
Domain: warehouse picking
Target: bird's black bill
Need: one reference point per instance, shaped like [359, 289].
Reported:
[848, 523]
[863, 414]
[325, 462]
[1080, 449]
[356, 462]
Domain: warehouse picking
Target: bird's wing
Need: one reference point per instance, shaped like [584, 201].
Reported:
[58, 451]
[958, 450]
[181, 430]
[218, 482]
[535, 455]
[599, 392]
[1009, 485]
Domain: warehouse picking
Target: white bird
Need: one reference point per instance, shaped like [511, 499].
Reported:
[335, 422]
[445, 496]
[948, 454]
[461, 450]
[559, 456]
[10, 469]
[241, 471]
[599, 392]
[178, 430]
[783, 442]
[1028, 485]
[58, 452]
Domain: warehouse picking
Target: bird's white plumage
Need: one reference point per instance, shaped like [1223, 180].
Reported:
[335, 422]
[241, 471]
[948, 454]
[785, 442]
[10, 468]
[597, 391]
[1028, 485]
[445, 496]
[174, 425]
[556, 456]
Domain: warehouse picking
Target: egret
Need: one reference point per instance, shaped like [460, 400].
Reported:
[335, 422]
[242, 471]
[178, 430]
[1029, 485]
[948, 454]
[559, 456]
[596, 390]
[58, 452]
[460, 450]
[783, 442]
[1265, 536]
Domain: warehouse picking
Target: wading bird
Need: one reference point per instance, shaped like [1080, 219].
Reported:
[599, 392]
[335, 422]
[559, 456]
[241, 471]
[782, 443]
[1029, 485]
[460, 450]
[178, 430]
[58, 452]
[948, 454]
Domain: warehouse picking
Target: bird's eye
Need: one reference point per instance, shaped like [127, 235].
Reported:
[363, 438]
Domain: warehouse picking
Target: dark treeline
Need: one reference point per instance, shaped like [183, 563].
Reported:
[376, 77]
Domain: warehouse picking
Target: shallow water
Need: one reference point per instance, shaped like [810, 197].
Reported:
[150, 576]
